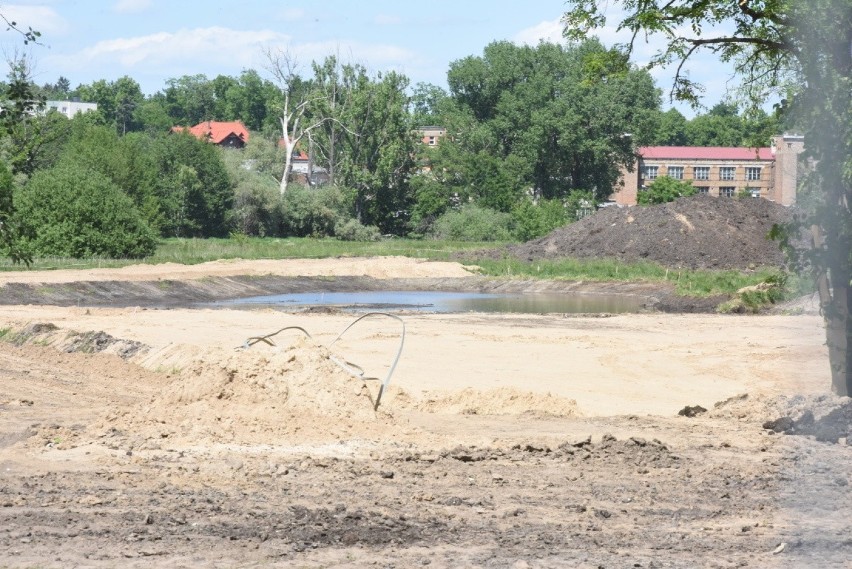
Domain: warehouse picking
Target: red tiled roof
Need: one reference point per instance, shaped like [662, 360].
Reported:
[216, 132]
[706, 153]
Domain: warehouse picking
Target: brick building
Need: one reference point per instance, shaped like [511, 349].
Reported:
[430, 135]
[770, 173]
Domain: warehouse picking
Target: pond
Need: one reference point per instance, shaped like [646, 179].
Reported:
[447, 302]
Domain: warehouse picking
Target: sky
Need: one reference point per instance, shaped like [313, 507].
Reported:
[154, 40]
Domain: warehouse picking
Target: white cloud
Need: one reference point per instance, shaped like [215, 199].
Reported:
[131, 6]
[41, 18]
[549, 31]
[193, 50]
[212, 51]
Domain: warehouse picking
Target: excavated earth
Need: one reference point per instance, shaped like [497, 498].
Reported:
[133, 437]
[698, 232]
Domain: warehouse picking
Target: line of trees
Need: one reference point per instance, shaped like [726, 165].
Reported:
[534, 136]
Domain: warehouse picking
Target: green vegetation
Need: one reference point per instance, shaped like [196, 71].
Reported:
[538, 139]
[687, 282]
[194, 251]
[71, 212]
[665, 189]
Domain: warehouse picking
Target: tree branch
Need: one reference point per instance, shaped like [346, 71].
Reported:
[755, 15]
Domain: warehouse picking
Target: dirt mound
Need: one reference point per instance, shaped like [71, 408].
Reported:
[827, 418]
[71, 341]
[257, 396]
[698, 232]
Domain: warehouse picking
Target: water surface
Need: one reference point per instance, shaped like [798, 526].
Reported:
[446, 302]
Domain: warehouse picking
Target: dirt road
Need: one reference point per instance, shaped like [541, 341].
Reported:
[149, 438]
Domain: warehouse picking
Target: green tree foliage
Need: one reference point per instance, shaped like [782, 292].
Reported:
[70, 211]
[179, 183]
[190, 99]
[314, 212]
[117, 101]
[671, 130]
[31, 135]
[9, 245]
[532, 220]
[551, 118]
[801, 49]
[664, 190]
[257, 202]
[426, 103]
[472, 222]
[195, 192]
[364, 139]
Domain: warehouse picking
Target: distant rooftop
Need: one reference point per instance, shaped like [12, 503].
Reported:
[705, 153]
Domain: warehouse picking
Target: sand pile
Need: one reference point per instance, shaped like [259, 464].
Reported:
[256, 396]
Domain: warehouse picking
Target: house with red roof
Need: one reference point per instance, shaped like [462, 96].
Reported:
[769, 172]
[232, 134]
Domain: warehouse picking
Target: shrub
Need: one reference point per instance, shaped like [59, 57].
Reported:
[473, 223]
[257, 206]
[535, 220]
[313, 212]
[70, 211]
[353, 230]
[665, 189]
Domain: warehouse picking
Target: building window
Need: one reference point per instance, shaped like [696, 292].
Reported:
[727, 191]
[650, 172]
[704, 190]
[431, 141]
[701, 172]
[753, 192]
[726, 173]
[752, 174]
[675, 172]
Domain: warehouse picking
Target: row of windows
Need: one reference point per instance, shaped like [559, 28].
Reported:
[726, 173]
[728, 191]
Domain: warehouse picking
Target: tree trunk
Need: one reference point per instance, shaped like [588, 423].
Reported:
[288, 156]
[835, 297]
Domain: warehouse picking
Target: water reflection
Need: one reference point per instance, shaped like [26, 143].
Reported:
[444, 302]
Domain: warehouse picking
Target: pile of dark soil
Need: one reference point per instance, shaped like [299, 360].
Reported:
[699, 232]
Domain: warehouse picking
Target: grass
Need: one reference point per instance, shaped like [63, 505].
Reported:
[687, 282]
[194, 251]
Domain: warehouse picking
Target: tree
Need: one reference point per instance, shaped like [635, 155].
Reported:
[801, 49]
[117, 101]
[194, 190]
[190, 99]
[426, 101]
[70, 211]
[375, 148]
[555, 117]
[296, 98]
[665, 189]
[20, 100]
[672, 129]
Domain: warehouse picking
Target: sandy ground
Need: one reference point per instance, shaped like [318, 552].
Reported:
[502, 441]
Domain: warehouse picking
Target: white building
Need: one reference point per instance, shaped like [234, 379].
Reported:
[70, 108]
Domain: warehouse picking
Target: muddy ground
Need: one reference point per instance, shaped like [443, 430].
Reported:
[133, 438]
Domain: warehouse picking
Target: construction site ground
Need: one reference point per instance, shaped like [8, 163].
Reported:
[141, 434]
